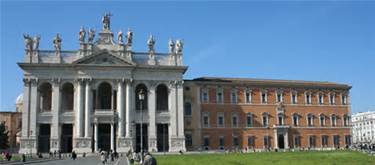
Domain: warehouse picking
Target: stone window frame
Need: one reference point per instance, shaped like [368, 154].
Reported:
[308, 117]
[320, 98]
[265, 93]
[322, 124]
[282, 117]
[206, 138]
[221, 146]
[235, 138]
[220, 114]
[185, 109]
[234, 115]
[187, 139]
[312, 141]
[344, 99]
[333, 120]
[281, 93]
[295, 120]
[295, 99]
[219, 90]
[205, 96]
[251, 141]
[308, 95]
[265, 119]
[247, 99]
[336, 140]
[346, 120]
[332, 98]
[297, 143]
[325, 138]
[266, 141]
[233, 98]
[206, 114]
[249, 114]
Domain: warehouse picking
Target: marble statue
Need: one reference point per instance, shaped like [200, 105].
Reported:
[171, 46]
[36, 42]
[179, 46]
[91, 35]
[106, 21]
[129, 37]
[150, 44]
[119, 37]
[82, 35]
[28, 42]
[57, 42]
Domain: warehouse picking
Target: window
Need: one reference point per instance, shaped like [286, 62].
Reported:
[266, 142]
[236, 142]
[322, 120]
[320, 98]
[336, 141]
[312, 141]
[297, 141]
[295, 119]
[346, 120]
[265, 119]
[249, 120]
[219, 95]
[162, 98]
[251, 142]
[248, 96]
[343, 99]
[348, 140]
[206, 120]
[220, 119]
[324, 141]
[221, 142]
[204, 95]
[332, 98]
[308, 97]
[280, 119]
[279, 96]
[333, 120]
[233, 96]
[263, 97]
[139, 88]
[187, 109]
[294, 97]
[188, 140]
[310, 120]
[206, 142]
[234, 120]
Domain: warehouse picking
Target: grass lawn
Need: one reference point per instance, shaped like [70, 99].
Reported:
[265, 158]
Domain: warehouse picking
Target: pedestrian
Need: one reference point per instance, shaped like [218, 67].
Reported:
[102, 157]
[149, 159]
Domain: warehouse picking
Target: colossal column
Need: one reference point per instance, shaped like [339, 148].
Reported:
[88, 109]
[56, 101]
[173, 118]
[180, 116]
[79, 110]
[33, 113]
[129, 115]
[121, 108]
[151, 118]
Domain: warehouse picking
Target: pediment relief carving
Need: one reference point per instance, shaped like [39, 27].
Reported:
[104, 58]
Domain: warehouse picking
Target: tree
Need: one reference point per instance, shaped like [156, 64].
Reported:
[4, 138]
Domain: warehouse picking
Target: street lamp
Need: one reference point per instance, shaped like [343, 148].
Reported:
[141, 97]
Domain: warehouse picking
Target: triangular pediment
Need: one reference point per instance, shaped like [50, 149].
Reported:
[103, 58]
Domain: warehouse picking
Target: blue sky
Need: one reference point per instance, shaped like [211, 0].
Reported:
[320, 41]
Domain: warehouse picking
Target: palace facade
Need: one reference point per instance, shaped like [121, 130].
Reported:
[105, 96]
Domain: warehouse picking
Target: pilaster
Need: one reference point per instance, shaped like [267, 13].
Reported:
[88, 108]
[56, 101]
[121, 108]
[152, 119]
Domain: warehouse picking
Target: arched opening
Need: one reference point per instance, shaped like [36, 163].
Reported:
[162, 98]
[137, 101]
[67, 96]
[45, 97]
[104, 96]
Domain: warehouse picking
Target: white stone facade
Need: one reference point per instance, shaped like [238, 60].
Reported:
[86, 70]
[364, 127]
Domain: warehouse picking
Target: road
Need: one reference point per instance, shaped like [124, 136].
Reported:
[92, 160]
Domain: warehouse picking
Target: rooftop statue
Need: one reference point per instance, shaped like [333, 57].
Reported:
[28, 42]
[82, 35]
[171, 46]
[129, 36]
[57, 42]
[106, 21]
[150, 44]
[119, 37]
[179, 46]
[91, 35]
[36, 42]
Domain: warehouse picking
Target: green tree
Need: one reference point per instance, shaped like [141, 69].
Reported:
[4, 139]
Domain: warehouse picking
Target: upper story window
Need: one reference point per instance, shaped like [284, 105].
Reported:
[308, 97]
[321, 98]
[204, 95]
[263, 95]
[333, 120]
[322, 120]
[233, 96]
[249, 120]
[295, 119]
[206, 120]
[265, 119]
[279, 96]
[344, 100]
[220, 119]
[310, 120]
[346, 120]
[219, 95]
[332, 98]
[294, 97]
[187, 109]
[234, 120]
[247, 96]
[280, 119]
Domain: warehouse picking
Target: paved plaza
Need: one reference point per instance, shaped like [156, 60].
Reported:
[91, 160]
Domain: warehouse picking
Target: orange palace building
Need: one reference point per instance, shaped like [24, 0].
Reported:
[256, 114]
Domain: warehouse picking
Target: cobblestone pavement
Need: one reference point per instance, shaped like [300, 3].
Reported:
[92, 160]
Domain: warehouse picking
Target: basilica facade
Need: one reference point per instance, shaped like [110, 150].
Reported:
[105, 96]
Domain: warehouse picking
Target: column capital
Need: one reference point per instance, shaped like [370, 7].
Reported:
[129, 81]
[152, 84]
[56, 81]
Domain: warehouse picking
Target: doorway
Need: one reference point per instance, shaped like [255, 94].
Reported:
[66, 144]
[162, 138]
[144, 137]
[280, 141]
[44, 138]
[104, 137]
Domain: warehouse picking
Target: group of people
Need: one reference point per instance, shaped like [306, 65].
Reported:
[108, 156]
[365, 147]
[144, 158]
[7, 156]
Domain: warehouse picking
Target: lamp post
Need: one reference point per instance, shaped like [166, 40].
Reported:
[141, 97]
